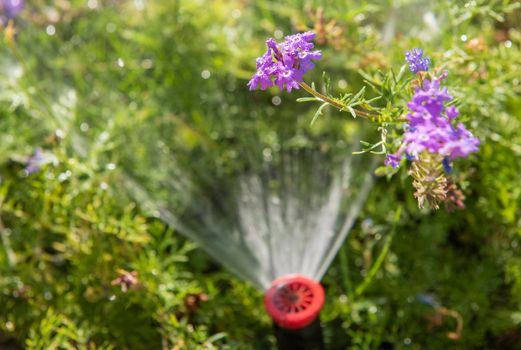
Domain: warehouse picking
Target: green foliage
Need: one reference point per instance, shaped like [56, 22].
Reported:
[178, 70]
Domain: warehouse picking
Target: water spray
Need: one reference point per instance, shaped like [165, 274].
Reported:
[276, 221]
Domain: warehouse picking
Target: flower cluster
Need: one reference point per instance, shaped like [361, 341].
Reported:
[432, 139]
[9, 9]
[416, 61]
[430, 128]
[285, 64]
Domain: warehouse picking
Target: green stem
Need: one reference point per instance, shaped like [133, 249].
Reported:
[379, 261]
[344, 270]
[335, 103]
[11, 260]
[342, 107]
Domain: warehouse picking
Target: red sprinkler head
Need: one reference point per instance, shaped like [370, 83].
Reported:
[294, 301]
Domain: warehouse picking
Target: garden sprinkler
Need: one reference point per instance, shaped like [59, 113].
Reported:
[294, 303]
[277, 222]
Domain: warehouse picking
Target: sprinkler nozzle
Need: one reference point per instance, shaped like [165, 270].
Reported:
[294, 301]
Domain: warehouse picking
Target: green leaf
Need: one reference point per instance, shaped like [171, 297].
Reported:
[306, 99]
[352, 111]
[400, 73]
[318, 113]
[359, 94]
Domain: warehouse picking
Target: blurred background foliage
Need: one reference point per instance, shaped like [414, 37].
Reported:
[90, 83]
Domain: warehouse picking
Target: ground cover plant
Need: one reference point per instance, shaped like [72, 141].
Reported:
[87, 86]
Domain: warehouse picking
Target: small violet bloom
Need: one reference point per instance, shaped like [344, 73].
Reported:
[426, 299]
[416, 61]
[446, 165]
[9, 9]
[285, 64]
[38, 160]
[393, 160]
[431, 129]
[35, 162]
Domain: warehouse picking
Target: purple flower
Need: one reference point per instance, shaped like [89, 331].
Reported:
[393, 160]
[451, 112]
[446, 165]
[416, 61]
[10, 8]
[431, 129]
[430, 99]
[39, 159]
[35, 162]
[285, 64]
[426, 299]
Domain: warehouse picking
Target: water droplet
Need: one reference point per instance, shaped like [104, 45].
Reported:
[140, 5]
[120, 62]
[278, 34]
[407, 341]
[17, 72]
[236, 14]
[110, 27]
[360, 17]
[206, 74]
[508, 44]
[84, 127]
[147, 63]
[276, 100]
[430, 20]
[59, 133]
[342, 84]
[463, 38]
[495, 137]
[64, 176]
[104, 136]
[266, 153]
[92, 4]
[50, 30]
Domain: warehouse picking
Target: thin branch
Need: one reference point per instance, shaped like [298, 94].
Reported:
[337, 104]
